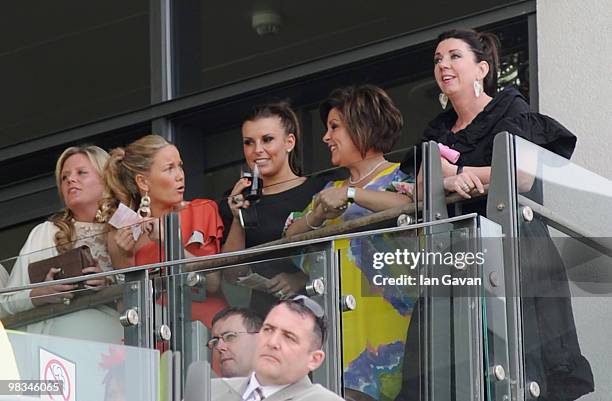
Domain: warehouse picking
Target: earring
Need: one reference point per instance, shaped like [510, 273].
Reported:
[477, 88]
[99, 216]
[144, 210]
[443, 100]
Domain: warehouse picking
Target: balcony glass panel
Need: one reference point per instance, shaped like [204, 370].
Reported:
[416, 321]
[566, 274]
[193, 293]
[86, 369]
[80, 306]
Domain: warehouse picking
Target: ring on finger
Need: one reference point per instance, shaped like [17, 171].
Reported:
[465, 187]
[325, 209]
[279, 294]
[236, 199]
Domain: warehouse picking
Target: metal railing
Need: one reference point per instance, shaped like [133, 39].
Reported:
[473, 341]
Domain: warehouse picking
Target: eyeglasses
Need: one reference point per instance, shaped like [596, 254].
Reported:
[227, 337]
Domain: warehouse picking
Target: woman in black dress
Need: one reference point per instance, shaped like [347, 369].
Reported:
[465, 69]
[270, 135]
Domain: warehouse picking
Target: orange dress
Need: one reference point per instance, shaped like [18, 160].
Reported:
[201, 233]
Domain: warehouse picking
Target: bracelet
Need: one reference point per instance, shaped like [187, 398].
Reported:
[308, 224]
[459, 170]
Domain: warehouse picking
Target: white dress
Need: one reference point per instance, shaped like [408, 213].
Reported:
[97, 324]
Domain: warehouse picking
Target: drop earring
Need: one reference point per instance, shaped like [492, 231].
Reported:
[144, 210]
[477, 88]
[443, 100]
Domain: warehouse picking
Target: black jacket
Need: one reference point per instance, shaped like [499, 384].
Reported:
[552, 352]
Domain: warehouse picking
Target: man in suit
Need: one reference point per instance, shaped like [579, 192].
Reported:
[288, 348]
[234, 336]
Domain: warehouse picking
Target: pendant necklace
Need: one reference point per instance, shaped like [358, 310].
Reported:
[367, 174]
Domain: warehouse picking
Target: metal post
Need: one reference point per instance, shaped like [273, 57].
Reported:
[501, 208]
[178, 296]
[330, 373]
[137, 317]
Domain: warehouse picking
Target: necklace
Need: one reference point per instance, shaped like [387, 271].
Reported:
[367, 174]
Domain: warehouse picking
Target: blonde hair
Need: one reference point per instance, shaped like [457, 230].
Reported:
[121, 170]
[65, 237]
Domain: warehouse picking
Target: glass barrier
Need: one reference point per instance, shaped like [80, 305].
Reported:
[75, 310]
[79, 370]
[73, 291]
[497, 358]
[136, 243]
[563, 188]
[416, 321]
[190, 296]
[566, 275]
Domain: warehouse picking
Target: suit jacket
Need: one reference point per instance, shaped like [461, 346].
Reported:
[303, 390]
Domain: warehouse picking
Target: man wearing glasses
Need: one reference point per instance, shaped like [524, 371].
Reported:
[233, 340]
[289, 347]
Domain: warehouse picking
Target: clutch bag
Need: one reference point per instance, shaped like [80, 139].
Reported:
[71, 264]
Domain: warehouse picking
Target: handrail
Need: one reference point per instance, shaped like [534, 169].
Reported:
[110, 294]
[560, 223]
[43, 312]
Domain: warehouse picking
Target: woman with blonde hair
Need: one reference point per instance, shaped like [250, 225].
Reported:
[147, 176]
[78, 174]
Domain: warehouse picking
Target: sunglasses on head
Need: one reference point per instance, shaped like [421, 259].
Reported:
[312, 306]
[315, 309]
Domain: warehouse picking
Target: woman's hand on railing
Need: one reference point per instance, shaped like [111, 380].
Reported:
[464, 184]
[448, 169]
[330, 203]
[53, 294]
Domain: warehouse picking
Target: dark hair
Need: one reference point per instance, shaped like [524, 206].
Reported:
[301, 308]
[372, 119]
[251, 320]
[485, 46]
[289, 121]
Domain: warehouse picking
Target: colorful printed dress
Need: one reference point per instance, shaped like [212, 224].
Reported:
[374, 334]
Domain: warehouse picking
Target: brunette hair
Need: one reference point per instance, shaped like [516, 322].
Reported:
[251, 320]
[485, 46]
[372, 119]
[289, 121]
[66, 235]
[121, 170]
[301, 305]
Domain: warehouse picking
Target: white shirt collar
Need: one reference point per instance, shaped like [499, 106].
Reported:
[266, 390]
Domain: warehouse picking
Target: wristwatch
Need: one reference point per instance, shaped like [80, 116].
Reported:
[350, 194]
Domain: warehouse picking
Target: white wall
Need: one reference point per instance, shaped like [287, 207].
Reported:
[575, 74]
[575, 87]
